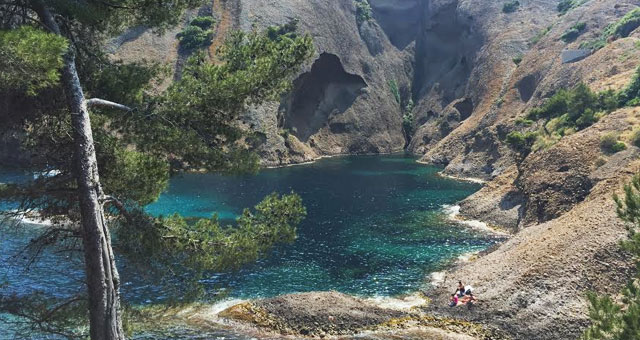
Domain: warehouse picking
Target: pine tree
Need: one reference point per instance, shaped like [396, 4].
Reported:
[111, 157]
[620, 320]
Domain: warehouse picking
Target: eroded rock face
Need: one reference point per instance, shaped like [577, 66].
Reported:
[325, 91]
[445, 50]
[567, 240]
[401, 33]
[503, 91]
[341, 103]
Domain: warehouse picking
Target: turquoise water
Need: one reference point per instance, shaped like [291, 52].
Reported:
[374, 224]
[374, 227]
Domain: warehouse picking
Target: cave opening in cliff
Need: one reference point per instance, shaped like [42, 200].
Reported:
[400, 20]
[326, 90]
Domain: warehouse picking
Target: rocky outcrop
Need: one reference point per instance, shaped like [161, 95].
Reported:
[503, 90]
[313, 314]
[332, 314]
[325, 91]
[342, 102]
[534, 285]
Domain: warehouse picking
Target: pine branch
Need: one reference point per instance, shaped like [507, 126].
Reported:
[101, 102]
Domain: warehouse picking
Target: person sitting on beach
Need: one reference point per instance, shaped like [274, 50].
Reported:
[460, 291]
[453, 300]
[468, 290]
[469, 300]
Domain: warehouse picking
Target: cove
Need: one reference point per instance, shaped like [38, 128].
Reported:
[374, 225]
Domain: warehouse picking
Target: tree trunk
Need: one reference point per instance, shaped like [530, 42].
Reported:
[103, 280]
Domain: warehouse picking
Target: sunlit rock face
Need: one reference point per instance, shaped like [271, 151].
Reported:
[345, 101]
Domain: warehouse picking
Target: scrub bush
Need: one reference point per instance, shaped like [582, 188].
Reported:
[511, 6]
[363, 11]
[574, 32]
[610, 144]
[194, 37]
[203, 22]
[619, 29]
[635, 138]
[521, 142]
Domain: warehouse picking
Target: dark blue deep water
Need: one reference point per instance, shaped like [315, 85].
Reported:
[374, 227]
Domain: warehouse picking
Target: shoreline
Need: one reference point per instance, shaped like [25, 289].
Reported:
[464, 179]
[453, 214]
[457, 178]
[335, 156]
[411, 302]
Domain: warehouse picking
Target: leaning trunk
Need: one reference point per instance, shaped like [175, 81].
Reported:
[102, 275]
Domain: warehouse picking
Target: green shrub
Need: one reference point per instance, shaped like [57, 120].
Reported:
[580, 100]
[610, 144]
[410, 106]
[576, 108]
[553, 107]
[194, 37]
[517, 60]
[540, 35]
[511, 6]
[408, 120]
[619, 29]
[574, 32]
[564, 6]
[586, 119]
[608, 100]
[623, 27]
[617, 318]
[635, 137]
[630, 95]
[521, 142]
[619, 146]
[580, 26]
[524, 122]
[289, 30]
[203, 22]
[363, 11]
[395, 91]
[407, 124]
[544, 141]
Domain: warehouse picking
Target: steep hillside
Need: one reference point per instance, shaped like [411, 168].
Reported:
[534, 285]
[473, 149]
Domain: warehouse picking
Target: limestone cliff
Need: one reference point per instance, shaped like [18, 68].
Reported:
[471, 70]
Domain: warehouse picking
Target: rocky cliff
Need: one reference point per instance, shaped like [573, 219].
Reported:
[461, 74]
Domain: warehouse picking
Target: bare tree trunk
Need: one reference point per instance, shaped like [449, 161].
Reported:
[103, 280]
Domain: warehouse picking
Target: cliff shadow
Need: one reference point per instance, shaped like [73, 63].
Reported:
[326, 90]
